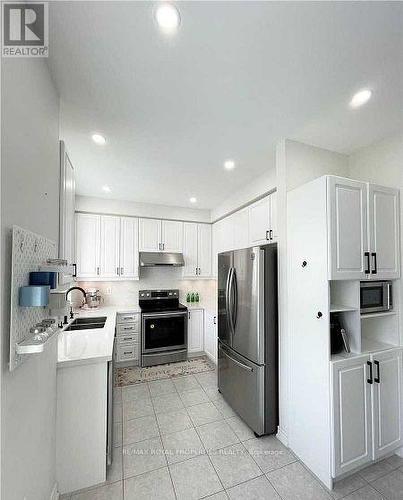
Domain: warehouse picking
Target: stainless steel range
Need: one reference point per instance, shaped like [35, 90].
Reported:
[164, 327]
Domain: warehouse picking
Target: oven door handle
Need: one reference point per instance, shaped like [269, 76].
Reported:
[164, 314]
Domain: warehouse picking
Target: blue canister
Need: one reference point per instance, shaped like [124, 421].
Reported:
[43, 278]
[34, 296]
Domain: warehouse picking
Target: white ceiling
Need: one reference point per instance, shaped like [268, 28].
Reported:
[235, 78]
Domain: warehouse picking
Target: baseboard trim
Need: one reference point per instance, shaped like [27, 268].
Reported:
[55, 493]
[210, 357]
[282, 436]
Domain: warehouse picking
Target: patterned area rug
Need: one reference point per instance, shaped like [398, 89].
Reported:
[136, 374]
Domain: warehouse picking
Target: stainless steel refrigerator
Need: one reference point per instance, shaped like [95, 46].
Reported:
[248, 335]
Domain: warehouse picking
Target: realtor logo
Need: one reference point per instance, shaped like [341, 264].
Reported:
[25, 29]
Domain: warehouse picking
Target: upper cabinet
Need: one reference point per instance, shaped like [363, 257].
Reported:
[384, 245]
[363, 230]
[67, 207]
[160, 235]
[197, 250]
[107, 247]
[262, 220]
[88, 239]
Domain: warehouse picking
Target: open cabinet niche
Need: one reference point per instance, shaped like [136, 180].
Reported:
[345, 303]
[366, 332]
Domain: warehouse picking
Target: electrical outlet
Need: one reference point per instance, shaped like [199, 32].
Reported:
[108, 290]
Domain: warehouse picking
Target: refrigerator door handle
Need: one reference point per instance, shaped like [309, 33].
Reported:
[245, 367]
[234, 288]
[228, 300]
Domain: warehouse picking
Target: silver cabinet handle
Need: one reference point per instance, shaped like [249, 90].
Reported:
[121, 271]
[196, 271]
[98, 271]
[245, 367]
[117, 271]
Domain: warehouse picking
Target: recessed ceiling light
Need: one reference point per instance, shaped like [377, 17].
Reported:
[192, 199]
[106, 189]
[167, 17]
[360, 98]
[99, 139]
[229, 164]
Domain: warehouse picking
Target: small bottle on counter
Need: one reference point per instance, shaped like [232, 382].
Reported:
[188, 297]
[197, 297]
[192, 297]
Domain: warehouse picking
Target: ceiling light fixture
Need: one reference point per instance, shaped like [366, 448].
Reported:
[106, 189]
[360, 98]
[192, 199]
[229, 164]
[167, 17]
[99, 139]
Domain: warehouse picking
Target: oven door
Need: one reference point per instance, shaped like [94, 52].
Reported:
[376, 297]
[164, 331]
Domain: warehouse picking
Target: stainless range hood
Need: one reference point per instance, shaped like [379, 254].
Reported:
[153, 259]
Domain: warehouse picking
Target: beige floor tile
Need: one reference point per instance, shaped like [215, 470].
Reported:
[188, 383]
[182, 445]
[256, 489]
[217, 435]
[109, 492]
[365, 493]
[139, 429]
[204, 413]
[135, 392]
[240, 428]
[390, 486]
[143, 457]
[155, 485]
[167, 403]
[269, 453]
[137, 408]
[161, 387]
[174, 421]
[347, 486]
[194, 397]
[375, 471]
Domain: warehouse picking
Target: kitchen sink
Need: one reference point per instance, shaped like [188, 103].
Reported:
[83, 321]
[87, 323]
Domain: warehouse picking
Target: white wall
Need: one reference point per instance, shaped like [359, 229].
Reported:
[296, 164]
[131, 208]
[250, 192]
[29, 198]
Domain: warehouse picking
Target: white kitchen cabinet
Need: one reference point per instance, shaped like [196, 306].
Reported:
[197, 250]
[171, 236]
[107, 247]
[129, 255]
[88, 242]
[204, 250]
[110, 236]
[384, 232]
[160, 235]
[210, 335]
[367, 408]
[387, 402]
[149, 235]
[262, 223]
[195, 330]
[240, 223]
[348, 240]
[352, 416]
[67, 207]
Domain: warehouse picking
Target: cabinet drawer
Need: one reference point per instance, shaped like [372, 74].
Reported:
[132, 339]
[127, 329]
[121, 319]
[127, 352]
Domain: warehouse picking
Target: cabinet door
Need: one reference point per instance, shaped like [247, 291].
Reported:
[259, 221]
[210, 335]
[387, 401]
[190, 249]
[110, 236]
[241, 229]
[348, 238]
[172, 236]
[67, 207]
[384, 215]
[195, 330]
[273, 215]
[150, 235]
[88, 245]
[204, 250]
[129, 248]
[352, 433]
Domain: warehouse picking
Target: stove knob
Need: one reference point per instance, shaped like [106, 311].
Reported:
[170, 293]
[148, 294]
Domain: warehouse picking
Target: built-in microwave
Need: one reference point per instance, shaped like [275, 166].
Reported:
[376, 296]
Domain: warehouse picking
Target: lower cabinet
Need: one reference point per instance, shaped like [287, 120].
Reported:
[127, 341]
[195, 330]
[367, 408]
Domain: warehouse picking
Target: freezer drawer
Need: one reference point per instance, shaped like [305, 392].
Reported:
[241, 383]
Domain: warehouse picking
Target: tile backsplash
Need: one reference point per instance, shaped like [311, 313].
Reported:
[125, 293]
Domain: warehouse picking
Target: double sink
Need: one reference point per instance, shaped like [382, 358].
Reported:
[87, 323]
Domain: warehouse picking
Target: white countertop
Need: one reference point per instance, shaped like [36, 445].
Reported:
[90, 346]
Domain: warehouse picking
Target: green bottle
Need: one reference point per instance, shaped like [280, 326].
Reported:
[192, 297]
[197, 297]
[188, 297]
